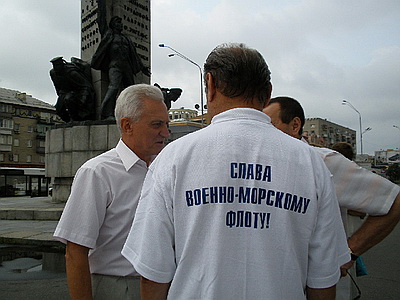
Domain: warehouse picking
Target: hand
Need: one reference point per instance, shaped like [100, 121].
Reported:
[345, 267]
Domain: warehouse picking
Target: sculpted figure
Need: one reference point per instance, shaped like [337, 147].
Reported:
[73, 84]
[170, 95]
[117, 55]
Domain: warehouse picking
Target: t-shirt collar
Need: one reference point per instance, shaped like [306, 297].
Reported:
[241, 113]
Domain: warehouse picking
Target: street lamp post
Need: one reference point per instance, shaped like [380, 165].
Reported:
[345, 102]
[366, 129]
[395, 126]
[177, 53]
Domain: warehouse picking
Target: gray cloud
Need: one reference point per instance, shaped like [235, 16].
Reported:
[319, 51]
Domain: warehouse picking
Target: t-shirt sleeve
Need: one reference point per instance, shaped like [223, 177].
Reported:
[150, 243]
[85, 209]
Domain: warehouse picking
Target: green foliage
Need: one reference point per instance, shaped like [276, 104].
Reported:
[393, 172]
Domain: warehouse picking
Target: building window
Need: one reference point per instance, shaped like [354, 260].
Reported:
[42, 159]
[16, 128]
[30, 129]
[6, 123]
[29, 158]
[312, 126]
[1, 157]
[42, 144]
[5, 108]
[15, 157]
[6, 139]
[16, 142]
[29, 143]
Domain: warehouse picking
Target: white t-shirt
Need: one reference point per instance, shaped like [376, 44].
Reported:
[101, 208]
[238, 210]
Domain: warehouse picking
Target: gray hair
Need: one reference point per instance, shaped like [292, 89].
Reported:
[129, 103]
[239, 71]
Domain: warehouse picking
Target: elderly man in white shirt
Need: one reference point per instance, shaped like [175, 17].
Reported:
[104, 196]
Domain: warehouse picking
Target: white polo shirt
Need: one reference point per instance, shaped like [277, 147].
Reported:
[238, 210]
[101, 208]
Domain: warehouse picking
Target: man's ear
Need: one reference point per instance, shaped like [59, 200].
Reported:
[210, 87]
[126, 125]
[295, 127]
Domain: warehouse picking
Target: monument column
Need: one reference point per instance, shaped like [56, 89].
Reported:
[96, 15]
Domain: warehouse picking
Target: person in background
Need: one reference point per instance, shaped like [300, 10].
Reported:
[357, 189]
[104, 196]
[237, 210]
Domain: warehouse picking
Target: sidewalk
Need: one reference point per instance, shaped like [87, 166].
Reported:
[26, 228]
[27, 208]
[29, 221]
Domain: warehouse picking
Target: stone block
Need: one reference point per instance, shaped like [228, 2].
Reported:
[56, 141]
[80, 138]
[113, 136]
[61, 189]
[68, 139]
[47, 143]
[53, 161]
[3, 214]
[65, 165]
[98, 137]
[20, 214]
[48, 214]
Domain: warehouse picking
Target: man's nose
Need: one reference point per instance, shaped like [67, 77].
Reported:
[165, 131]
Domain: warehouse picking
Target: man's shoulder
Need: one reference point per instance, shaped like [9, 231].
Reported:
[101, 159]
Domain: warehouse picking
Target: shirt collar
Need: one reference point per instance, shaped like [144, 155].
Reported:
[128, 157]
[241, 113]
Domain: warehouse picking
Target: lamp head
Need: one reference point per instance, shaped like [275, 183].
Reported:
[161, 45]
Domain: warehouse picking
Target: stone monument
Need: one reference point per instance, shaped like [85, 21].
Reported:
[69, 145]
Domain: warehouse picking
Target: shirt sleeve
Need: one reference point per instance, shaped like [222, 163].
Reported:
[150, 243]
[328, 247]
[85, 209]
[359, 189]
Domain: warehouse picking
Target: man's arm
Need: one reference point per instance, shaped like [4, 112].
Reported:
[78, 273]
[150, 290]
[375, 229]
[321, 294]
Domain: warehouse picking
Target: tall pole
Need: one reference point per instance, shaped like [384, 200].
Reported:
[177, 53]
[345, 102]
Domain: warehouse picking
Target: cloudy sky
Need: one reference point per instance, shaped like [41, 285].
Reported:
[319, 51]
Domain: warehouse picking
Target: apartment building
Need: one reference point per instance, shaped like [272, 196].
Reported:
[325, 133]
[24, 121]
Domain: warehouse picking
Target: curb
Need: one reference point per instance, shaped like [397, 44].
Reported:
[47, 214]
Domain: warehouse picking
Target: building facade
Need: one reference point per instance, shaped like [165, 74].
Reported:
[325, 133]
[24, 121]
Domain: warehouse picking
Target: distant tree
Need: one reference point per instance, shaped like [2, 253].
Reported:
[393, 172]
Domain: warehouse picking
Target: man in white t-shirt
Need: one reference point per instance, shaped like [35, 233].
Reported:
[104, 196]
[237, 210]
[356, 188]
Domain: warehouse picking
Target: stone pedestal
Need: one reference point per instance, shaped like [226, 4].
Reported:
[69, 146]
